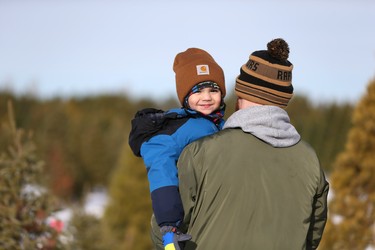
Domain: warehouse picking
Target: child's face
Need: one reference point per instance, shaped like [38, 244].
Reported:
[206, 100]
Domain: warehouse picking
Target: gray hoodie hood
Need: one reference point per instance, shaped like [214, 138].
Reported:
[268, 123]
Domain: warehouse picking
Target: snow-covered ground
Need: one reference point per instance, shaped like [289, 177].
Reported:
[96, 202]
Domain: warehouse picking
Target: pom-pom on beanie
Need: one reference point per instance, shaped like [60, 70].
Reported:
[194, 66]
[266, 78]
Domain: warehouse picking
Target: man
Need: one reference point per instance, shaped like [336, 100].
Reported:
[255, 184]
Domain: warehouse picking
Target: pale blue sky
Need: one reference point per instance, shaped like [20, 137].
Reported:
[84, 47]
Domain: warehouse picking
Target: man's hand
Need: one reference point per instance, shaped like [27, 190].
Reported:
[173, 239]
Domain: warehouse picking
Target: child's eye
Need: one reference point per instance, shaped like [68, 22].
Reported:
[214, 90]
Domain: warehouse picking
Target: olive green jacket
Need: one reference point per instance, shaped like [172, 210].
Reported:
[254, 185]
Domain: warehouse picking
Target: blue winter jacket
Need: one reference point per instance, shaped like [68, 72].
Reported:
[160, 153]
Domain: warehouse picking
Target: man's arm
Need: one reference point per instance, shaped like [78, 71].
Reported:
[319, 214]
[187, 168]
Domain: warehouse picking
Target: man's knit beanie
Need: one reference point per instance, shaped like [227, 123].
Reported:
[267, 76]
[194, 66]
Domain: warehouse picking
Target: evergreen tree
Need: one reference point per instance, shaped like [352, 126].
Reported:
[24, 203]
[129, 212]
[87, 233]
[351, 223]
[324, 127]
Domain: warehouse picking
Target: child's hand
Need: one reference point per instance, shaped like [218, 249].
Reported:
[173, 239]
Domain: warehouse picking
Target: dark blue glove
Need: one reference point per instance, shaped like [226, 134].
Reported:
[173, 239]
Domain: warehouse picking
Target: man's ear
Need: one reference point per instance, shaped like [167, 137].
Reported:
[238, 105]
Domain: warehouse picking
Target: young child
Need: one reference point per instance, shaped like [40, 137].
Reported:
[159, 137]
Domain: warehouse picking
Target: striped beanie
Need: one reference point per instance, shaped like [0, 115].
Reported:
[194, 66]
[266, 78]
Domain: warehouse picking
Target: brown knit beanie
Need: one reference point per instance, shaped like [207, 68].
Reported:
[267, 77]
[194, 66]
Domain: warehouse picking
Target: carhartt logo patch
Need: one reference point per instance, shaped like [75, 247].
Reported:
[203, 69]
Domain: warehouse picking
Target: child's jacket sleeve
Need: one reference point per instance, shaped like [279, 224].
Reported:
[160, 155]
